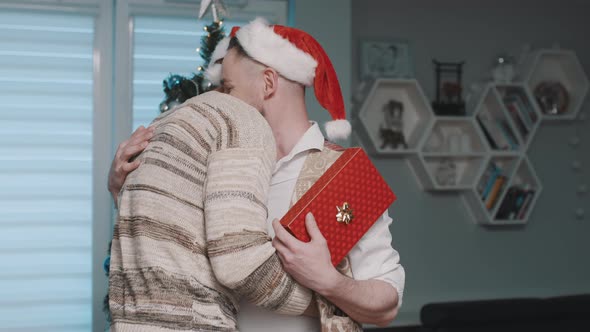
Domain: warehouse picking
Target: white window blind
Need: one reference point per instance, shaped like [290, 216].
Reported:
[166, 43]
[161, 46]
[46, 98]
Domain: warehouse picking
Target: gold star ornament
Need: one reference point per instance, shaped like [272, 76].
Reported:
[344, 214]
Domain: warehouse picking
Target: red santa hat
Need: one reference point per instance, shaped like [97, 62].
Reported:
[297, 56]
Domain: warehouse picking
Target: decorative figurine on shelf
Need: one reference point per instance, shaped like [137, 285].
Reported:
[552, 97]
[446, 173]
[436, 141]
[449, 90]
[391, 130]
[503, 70]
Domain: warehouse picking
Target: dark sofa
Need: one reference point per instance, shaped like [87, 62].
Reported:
[556, 314]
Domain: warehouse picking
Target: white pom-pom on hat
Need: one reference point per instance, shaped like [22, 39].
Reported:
[337, 129]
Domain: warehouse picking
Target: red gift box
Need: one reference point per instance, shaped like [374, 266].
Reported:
[345, 201]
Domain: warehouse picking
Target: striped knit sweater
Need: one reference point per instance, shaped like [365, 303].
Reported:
[190, 237]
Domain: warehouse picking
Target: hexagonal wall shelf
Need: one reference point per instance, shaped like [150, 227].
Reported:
[562, 66]
[454, 136]
[506, 192]
[452, 155]
[379, 114]
[507, 116]
[449, 173]
[495, 123]
[484, 155]
[519, 105]
[507, 189]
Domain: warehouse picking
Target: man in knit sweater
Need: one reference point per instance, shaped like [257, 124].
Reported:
[269, 68]
[190, 238]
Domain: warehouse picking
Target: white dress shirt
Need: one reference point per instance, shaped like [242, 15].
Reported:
[371, 258]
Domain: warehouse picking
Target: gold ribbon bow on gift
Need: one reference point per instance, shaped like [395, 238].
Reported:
[344, 214]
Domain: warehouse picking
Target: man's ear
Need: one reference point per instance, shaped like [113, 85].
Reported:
[271, 81]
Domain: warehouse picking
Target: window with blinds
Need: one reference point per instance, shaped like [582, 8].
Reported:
[163, 46]
[51, 71]
[46, 100]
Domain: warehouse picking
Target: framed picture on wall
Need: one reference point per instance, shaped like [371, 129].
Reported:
[387, 59]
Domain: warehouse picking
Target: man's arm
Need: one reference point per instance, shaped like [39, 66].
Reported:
[238, 246]
[370, 301]
[120, 169]
[122, 164]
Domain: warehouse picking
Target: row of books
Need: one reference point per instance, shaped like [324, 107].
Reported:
[491, 184]
[497, 132]
[516, 203]
[521, 111]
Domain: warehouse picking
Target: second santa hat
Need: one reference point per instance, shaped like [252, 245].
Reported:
[297, 56]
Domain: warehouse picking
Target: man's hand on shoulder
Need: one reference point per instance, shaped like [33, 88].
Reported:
[122, 164]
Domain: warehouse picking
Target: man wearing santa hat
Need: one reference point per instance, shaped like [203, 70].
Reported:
[269, 67]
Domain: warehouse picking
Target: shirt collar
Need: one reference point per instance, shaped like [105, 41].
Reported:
[313, 139]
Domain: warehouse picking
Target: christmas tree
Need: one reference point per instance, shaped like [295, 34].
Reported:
[178, 88]
[215, 33]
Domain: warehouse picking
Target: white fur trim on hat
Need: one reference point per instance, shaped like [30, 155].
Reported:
[337, 129]
[213, 71]
[264, 45]
[220, 50]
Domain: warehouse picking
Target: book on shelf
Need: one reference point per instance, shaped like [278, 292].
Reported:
[508, 203]
[524, 107]
[485, 177]
[526, 104]
[495, 192]
[487, 135]
[498, 139]
[515, 105]
[508, 134]
[515, 203]
[488, 180]
[526, 204]
[518, 123]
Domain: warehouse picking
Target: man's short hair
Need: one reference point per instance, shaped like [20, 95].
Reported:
[234, 43]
